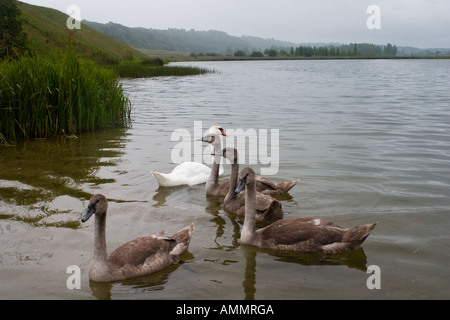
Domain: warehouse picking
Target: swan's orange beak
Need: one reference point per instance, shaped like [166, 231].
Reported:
[223, 132]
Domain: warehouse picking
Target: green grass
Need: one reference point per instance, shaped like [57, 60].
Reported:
[60, 94]
[140, 69]
[48, 33]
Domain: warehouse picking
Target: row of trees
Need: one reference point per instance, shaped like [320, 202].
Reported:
[349, 50]
[352, 49]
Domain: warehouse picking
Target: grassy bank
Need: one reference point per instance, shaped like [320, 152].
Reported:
[60, 94]
[155, 68]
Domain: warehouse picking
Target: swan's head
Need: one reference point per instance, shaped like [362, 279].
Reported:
[213, 135]
[98, 205]
[247, 177]
[217, 130]
[211, 138]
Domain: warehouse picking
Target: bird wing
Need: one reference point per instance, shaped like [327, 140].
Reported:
[296, 230]
[136, 251]
[265, 183]
[263, 201]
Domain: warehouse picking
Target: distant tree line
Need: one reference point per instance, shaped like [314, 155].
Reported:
[345, 50]
[352, 49]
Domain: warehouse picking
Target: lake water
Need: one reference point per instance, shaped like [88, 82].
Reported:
[368, 139]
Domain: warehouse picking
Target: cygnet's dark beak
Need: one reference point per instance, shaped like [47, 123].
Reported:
[89, 212]
[241, 185]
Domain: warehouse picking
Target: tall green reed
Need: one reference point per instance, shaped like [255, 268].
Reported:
[64, 94]
[143, 69]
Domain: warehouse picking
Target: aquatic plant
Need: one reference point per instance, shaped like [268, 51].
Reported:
[61, 94]
[141, 69]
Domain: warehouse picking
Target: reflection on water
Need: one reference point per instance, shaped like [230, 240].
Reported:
[162, 193]
[214, 208]
[366, 145]
[152, 282]
[40, 180]
[354, 259]
[250, 272]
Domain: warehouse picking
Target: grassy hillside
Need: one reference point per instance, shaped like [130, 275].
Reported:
[47, 32]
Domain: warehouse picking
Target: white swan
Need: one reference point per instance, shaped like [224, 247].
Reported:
[189, 173]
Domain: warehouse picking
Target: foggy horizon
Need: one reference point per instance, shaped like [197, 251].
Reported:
[418, 23]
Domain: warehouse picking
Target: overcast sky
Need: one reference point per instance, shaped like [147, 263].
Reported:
[418, 23]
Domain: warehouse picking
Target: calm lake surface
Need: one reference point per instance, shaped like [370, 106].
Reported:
[369, 141]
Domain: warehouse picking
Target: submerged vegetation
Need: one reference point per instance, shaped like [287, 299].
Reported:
[62, 94]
